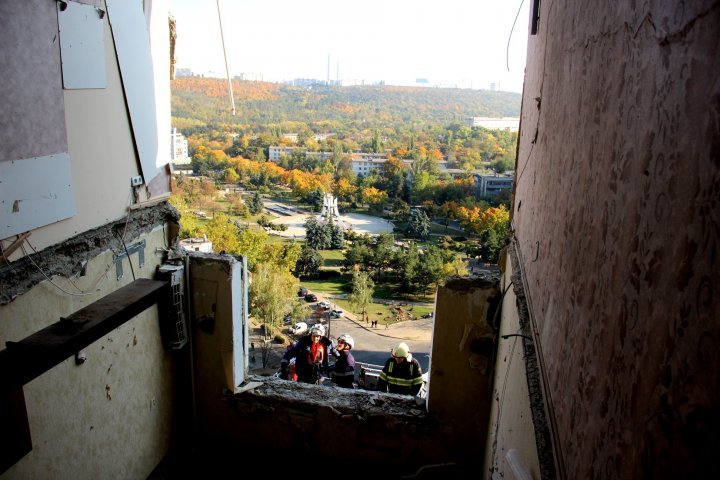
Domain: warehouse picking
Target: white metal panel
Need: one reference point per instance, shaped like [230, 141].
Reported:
[132, 46]
[240, 322]
[35, 192]
[82, 46]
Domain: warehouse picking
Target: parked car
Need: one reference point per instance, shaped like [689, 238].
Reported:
[311, 297]
[324, 305]
[302, 291]
[299, 328]
[336, 313]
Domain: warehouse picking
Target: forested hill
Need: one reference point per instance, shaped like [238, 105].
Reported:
[198, 101]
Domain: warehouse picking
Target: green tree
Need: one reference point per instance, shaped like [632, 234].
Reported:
[418, 225]
[255, 205]
[409, 264]
[308, 263]
[491, 242]
[430, 269]
[271, 290]
[362, 289]
[316, 235]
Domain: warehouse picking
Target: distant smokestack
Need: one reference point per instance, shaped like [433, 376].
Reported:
[328, 70]
[337, 73]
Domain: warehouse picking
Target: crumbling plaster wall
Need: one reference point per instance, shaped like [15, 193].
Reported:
[112, 416]
[617, 220]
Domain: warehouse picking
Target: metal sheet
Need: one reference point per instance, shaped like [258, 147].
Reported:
[35, 192]
[82, 46]
[132, 46]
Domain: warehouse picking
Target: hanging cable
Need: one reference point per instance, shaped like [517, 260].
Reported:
[507, 50]
[227, 71]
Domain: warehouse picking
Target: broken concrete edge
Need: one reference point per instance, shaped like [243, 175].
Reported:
[543, 437]
[64, 258]
[342, 401]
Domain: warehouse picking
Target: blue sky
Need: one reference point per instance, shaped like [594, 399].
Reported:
[450, 42]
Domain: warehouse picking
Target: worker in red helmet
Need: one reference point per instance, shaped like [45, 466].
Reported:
[402, 373]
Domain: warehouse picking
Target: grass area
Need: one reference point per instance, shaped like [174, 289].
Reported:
[332, 258]
[384, 293]
[436, 228]
[332, 285]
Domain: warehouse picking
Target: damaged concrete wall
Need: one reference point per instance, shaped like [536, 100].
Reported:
[461, 363]
[617, 224]
[366, 433]
[219, 313]
[112, 416]
[512, 426]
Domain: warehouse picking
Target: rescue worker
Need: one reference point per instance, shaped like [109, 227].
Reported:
[310, 354]
[343, 373]
[402, 373]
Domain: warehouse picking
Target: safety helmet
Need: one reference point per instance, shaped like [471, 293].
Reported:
[317, 329]
[347, 339]
[401, 350]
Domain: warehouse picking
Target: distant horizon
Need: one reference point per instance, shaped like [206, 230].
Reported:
[333, 83]
[449, 43]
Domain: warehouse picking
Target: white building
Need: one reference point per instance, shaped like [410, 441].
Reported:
[494, 123]
[275, 152]
[179, 148]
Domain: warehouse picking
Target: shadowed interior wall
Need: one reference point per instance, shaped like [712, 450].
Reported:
[617, 219]
[463, 348]
[112, 416]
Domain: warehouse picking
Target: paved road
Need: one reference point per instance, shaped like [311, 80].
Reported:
[372, 345]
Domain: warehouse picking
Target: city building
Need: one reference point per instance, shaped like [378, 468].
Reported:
[179, 149]
[488, 185]
[275, 152]
[502, 123]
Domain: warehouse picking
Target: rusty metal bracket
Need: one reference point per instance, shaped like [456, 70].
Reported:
[135, 247]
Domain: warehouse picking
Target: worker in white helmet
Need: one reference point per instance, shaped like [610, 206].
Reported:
[402, 373]
[343, 373]
[310, 354]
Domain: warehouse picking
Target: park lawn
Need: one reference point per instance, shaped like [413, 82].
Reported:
[332, 285]
[381, 311]
[332, 258]
[439, 229]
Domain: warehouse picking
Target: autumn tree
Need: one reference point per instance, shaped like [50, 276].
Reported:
[223, 233]
[373, 197]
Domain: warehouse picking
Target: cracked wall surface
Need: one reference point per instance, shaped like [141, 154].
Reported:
[617, 220]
